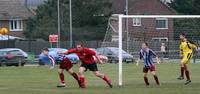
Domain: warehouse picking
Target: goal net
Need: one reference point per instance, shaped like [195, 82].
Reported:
[161, 32]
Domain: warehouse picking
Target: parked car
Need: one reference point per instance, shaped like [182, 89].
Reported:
[43, 60]
[12, 57]
[112, 54]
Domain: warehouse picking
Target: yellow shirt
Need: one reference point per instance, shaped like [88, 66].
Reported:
[186, 47]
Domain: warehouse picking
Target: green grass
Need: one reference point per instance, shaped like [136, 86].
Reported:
[41, 80]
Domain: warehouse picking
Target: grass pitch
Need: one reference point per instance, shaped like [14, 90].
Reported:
[41, 80]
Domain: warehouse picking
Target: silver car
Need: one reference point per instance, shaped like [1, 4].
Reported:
[112, 54]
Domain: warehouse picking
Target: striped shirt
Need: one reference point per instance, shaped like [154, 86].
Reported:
[55, 57]
[147, 55]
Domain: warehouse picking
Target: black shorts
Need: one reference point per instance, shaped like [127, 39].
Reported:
[91, 67]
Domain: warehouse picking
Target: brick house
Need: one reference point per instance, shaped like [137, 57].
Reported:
[13, 15]
[159, 29]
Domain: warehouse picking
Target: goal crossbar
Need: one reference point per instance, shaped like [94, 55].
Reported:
[139, 16]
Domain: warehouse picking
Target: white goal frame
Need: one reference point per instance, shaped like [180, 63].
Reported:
[120, 75]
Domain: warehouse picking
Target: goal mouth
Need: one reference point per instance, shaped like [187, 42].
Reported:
[162, 19]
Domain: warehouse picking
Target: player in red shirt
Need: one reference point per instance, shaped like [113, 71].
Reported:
[88, 62]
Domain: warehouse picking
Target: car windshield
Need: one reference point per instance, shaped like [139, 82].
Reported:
[3, 53]
[57, 49]
[15, 52]
[116, 51]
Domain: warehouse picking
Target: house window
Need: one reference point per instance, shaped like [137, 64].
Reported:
[16, 25]
[136, 21]
[161, 23]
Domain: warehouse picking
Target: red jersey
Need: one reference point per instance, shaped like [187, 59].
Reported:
[86, 55]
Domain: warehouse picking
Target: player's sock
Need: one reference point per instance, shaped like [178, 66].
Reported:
[156, 79]
[77, 78]
[187, 73]
[107, 80]
[146, 81]
[182, 71]
[62, 78]
[82, 80]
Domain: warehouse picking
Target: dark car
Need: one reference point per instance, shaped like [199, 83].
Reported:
[112, 54]
[12, 57]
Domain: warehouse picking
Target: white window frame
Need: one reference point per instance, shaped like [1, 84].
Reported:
[137, 22]
[19, 22]
[160, 38]
[166, 20]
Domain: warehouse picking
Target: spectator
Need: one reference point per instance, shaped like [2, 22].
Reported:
[163, 51]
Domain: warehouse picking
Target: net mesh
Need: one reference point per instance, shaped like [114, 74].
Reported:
[157, 32]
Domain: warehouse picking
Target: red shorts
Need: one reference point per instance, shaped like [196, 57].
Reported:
[150, 68]
[66, 64]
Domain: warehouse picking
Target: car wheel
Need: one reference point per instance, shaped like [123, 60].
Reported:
[23, 64]
[109, 60]
[19, 64]
[3, 64]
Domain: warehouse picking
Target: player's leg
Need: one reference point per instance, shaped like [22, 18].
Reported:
[146, 79]
[153, 71]
[182, 69]
[145, 71]
[187, 74]
[68, 66]
[62, 78]
[93, 67]
[155, 77]
[104, 77]
[75, 75]
[82, 77]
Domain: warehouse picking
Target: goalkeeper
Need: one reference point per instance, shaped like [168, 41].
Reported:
[186, 51]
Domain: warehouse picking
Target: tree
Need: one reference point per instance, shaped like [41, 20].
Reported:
[87, 15]
[189, 26]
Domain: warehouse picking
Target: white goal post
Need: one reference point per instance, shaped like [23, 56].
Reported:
[121, 17]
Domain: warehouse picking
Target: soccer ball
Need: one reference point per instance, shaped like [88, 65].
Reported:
[102, 58]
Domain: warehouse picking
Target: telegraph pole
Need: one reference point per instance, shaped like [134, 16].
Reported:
[71, 32]
[58, 7]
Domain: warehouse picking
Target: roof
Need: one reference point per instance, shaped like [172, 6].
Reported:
[13, 9]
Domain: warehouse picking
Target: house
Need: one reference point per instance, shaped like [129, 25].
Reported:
[160, 29]
[13, 15]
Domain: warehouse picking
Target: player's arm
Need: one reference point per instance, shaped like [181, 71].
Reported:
[193, 46]
[79, 63]
[181, 50]
[155, 55]
[53, 62]
[68, 52]
[138, 61]
[93, 53]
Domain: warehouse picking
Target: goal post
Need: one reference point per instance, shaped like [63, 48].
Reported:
[120, 35]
